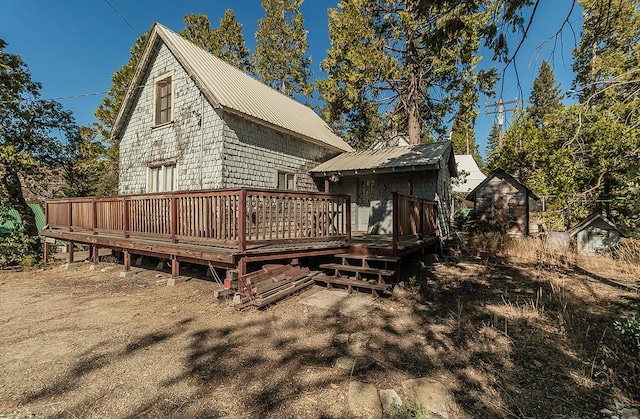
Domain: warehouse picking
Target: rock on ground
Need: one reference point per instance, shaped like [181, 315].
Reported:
[364, 401]
[433, 395]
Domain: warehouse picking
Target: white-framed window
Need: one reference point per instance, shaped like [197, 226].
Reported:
[286, 181]
[161, 178]
[163, 99]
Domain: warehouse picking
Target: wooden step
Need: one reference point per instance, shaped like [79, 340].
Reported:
[358, 269]
[353, 283]
[367, 257]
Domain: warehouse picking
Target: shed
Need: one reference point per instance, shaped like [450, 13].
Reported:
[501, 203]
[595, 234]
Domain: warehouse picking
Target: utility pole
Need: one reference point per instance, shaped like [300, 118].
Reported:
[500, 110]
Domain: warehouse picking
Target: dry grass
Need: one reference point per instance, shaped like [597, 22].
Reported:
[514, 330]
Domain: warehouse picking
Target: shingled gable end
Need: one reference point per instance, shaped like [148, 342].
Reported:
[190, 121]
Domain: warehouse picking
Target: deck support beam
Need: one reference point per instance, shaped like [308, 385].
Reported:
[175, 267]
[70, 260]
[45, 258]
[95, 255]
[127, 260]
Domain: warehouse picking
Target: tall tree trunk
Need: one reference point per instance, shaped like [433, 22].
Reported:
[11, 183]
[413, 95]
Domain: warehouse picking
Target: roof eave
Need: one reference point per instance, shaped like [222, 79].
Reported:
[374, 171]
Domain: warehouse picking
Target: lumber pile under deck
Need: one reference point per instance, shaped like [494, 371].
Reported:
[272, 283]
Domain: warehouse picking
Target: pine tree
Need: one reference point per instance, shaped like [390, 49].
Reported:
[197, 29]
[281, 46]
[545, 95]
[229, 43]
[225, 42]
[414, 66]
[107, 112]
[492, 144]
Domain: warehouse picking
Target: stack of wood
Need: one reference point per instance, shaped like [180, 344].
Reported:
[272, 283]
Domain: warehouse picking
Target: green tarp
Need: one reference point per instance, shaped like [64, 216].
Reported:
[7, 224]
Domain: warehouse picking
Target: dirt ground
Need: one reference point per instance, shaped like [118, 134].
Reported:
[509, 338]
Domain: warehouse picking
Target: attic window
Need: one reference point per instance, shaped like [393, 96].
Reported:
[163, 99]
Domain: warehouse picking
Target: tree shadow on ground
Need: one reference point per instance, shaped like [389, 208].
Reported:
[508, 340]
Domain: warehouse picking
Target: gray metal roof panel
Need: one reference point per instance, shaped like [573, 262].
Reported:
[419, 155]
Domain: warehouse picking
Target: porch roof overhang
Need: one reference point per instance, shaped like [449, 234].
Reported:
[376, 171]
[421, 157]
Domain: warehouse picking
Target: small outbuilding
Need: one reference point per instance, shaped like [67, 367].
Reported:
[595, 234]
[501, 202]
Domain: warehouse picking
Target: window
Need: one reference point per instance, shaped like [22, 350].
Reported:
[163, 100]
[286, 181]
[161, 178]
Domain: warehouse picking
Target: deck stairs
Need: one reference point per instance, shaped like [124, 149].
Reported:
[361, 271]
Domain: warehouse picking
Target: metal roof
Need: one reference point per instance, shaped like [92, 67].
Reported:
[500, 173]
[473, 177]
[420, 156]
[234, 91]
[590, 219]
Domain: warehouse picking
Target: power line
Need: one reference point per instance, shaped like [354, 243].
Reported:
[123, 18]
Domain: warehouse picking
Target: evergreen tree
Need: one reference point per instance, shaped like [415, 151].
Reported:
[225, 42]
[545, 95]
[462, 132]
[198, 30]
[107, 112]
[229, 43]
[492, 144]
[414, 66]
[606, 60]
[281, 46]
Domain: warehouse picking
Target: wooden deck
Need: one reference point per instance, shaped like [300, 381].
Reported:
[232, 228]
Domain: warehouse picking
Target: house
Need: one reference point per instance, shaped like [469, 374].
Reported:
[595, 234]
[501, 202]
[190, 121]
[219, 169]
[371, 176]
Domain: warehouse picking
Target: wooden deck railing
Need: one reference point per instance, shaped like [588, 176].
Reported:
[413, 217]
[237, 217]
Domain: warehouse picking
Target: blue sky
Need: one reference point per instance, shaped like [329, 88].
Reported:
[73, 47]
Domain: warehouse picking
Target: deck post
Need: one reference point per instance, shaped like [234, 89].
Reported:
[242, 220]
[175, 267]
[70, 215]
[242, 267]
[421, 219]
[396, 222]
[174, 218]
[95, 254]
[45, 258]
[127, 260]
[326, 185]
[347, 221]
[94, 221]
[125, 216]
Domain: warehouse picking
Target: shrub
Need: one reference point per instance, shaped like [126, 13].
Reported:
[629, 329]
[17, 248]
